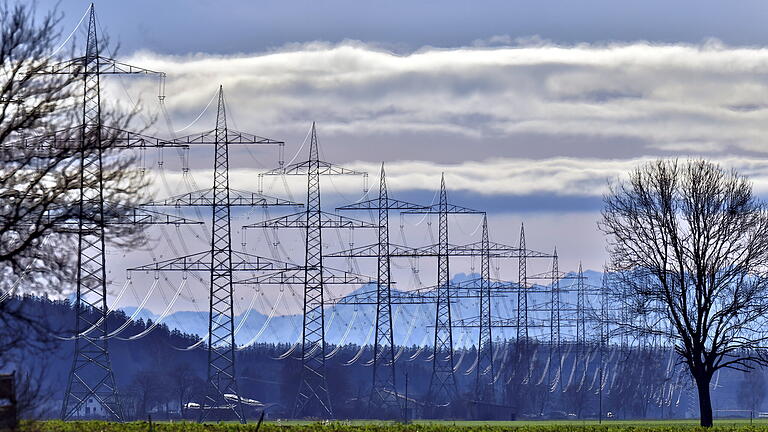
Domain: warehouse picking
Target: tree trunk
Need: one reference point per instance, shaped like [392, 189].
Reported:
[705, 400]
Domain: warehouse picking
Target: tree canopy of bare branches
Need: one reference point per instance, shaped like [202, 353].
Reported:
[688, 243]
[41, 152]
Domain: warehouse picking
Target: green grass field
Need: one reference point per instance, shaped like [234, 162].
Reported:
[760, 425]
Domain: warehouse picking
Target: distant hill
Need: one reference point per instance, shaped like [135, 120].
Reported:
[348, 324]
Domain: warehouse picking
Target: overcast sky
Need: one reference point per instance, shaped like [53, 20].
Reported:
[530, 108]
[244, 26]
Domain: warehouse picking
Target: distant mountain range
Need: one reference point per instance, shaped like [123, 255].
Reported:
[349, 324]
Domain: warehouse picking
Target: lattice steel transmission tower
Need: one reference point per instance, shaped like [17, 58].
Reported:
[383, 391]
[313, 387]
[554, 322]
[442, 384]
[91, 353]
[605, 334]
[91, 375]
[624, 320]
[221, 322]
[484, 385]
[522, 294]
[581, 309]
[222, 396]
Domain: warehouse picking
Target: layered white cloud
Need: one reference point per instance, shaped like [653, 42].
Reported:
[529, 121]
[553, 176]
[585, 177]
[474, 103]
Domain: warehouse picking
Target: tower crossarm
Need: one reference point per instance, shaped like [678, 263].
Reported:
[496, 322]
[367, 251]
[471, 322]
[588, 289]
[113, 215]
[299, 220]
[73, 138]
[449, 209]
[376, 204]
[231, 137]
[499, 288]
[201, 261]
[371, 251]
[106, 66]
[560, 275]
[369, 297]
[205, 198]
[496, 250]
[420, 296]
[323, 168]
[472, 249]
[493, 284]
[459, 291]
[331, 276]
[121, 138]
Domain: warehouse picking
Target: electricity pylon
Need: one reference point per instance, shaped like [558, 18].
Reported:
[581, 310]
[222, 393]
[522, 294]
[91, 375]
[605, 335]
[442, 384]
[484, 385]
[383, 401]
[554, 323]
[312, 396]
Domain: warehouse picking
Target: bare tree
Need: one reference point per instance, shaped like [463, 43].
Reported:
[40, 176]
[689, 244]
[751, 391]
[149, 389]
[34, 397]
[183, 381]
